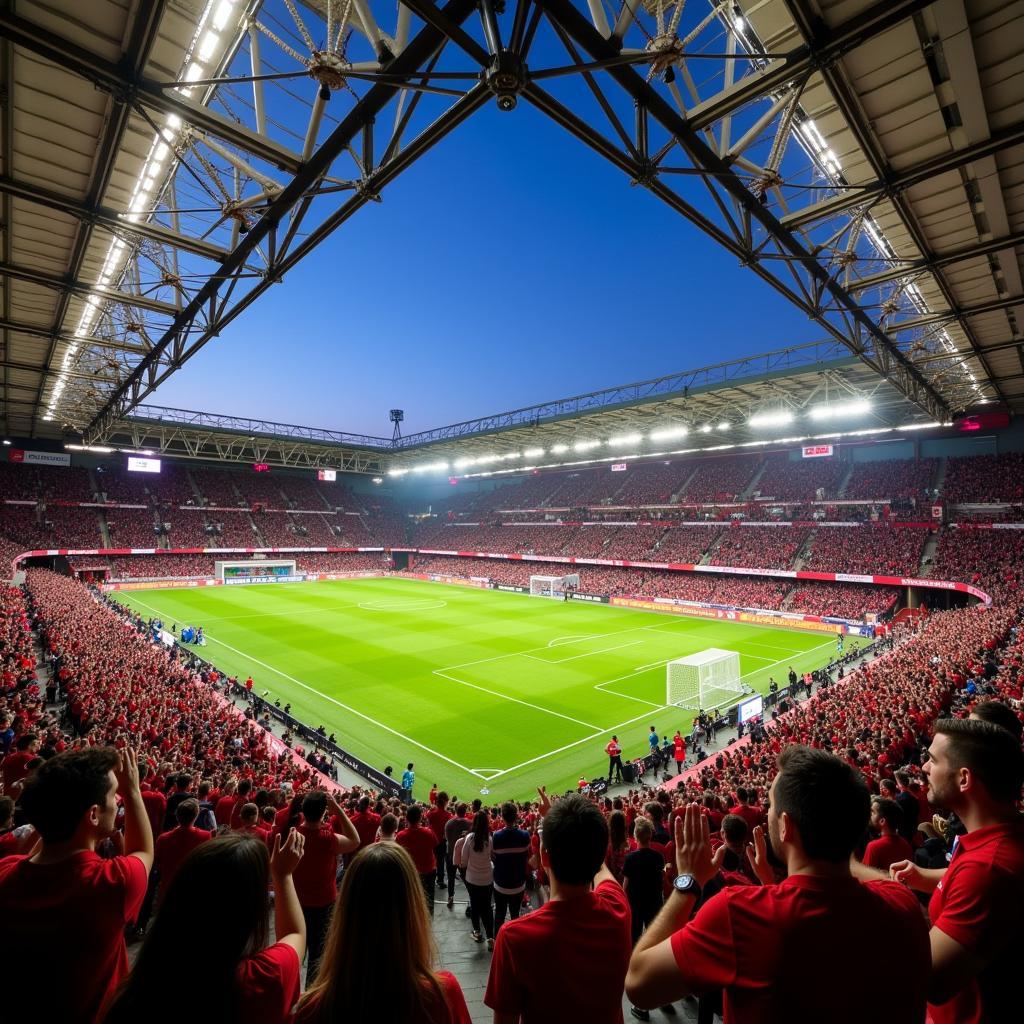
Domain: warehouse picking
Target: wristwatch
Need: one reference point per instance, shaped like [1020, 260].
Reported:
[687, 885]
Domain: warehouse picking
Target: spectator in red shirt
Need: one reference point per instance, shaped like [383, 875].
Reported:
[66, 900]
[15, 765]
[568, 960]
[174, 846]
[315, 877]
[366, 822]
[378, 959]
[890, 846]
[249, 822]
[975, 769]
[437, 818]
[226, 804]
[741, 940]
[420, 842]
[750, 814]
[240, 977]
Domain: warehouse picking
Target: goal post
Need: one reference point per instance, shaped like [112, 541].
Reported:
[552, 586]
[706, 680]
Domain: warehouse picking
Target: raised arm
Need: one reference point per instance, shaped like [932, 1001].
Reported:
[138, 835]
[289, 924]
[348, 839]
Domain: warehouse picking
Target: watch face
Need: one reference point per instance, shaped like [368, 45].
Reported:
[685, 883]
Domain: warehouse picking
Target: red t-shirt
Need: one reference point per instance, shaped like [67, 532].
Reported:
[810, 948]
[315, 875]
[880, 853]
[268, 985]
[980, 904]
[753, 816]
[14, 767]
[452, 1011]
[172, 848]
[566, 961]
[224, 810]
[419, 843]
[437, 818]
[73, 913]
[366, 824]
[156, 809]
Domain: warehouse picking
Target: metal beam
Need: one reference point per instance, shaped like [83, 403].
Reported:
[934, 261]
[956, 313]
[827, 48]
[88, 341]
[69, 286]
[889, 360]
[900, 181]
[409, 61]
[112, 220]
[131, 87]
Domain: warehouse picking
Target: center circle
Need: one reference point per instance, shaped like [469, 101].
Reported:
[414, 605]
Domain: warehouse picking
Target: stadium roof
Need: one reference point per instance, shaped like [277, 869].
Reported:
[164, 163]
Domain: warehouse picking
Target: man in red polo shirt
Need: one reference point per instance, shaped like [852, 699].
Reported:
[316, 874]
[420, 842]
[568, 960]
[437, 818]
[15, 765]
[66, 900]
[975, 769]
[742, 939]
[890, 846]
[174, 846]
[366, 822]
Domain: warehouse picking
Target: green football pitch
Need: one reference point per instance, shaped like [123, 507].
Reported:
[481, 689]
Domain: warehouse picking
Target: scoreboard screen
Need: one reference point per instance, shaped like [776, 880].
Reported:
[327, 474]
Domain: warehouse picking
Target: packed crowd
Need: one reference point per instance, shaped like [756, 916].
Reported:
[845, 600]
[891, 478]
[984, 478]
[787, 479]
[708, 889]
[991, 559]
[867, 549]
[131, 528]
[760, 547]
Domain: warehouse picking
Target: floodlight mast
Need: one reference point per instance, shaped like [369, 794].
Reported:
[396, 416]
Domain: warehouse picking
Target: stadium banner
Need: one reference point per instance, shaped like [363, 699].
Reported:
[439, 577]
[508, 588]
[31, 458]
[234, 581]
[579, 595]
[158, 584]
[809, 622]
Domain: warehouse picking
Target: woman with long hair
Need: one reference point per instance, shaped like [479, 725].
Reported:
[619, 844]
[475, 857]
[378, 958]
[214, 915]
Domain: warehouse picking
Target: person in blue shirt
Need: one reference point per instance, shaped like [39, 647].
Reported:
[652, 740]
[408, 780]
[510, 852]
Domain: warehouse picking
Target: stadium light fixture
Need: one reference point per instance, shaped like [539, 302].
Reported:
[771, 419]
[533, 453]
[6, 442]
[840, 410]
[724, 425]
[706, 429]
[585, 446]
[669, 433]
[559, 449]
[397, 472]
[622, 440]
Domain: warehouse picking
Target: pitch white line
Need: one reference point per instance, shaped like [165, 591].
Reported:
[559, 640]
[515, 700]
[587, 654]
[347, 707]
[576, 743]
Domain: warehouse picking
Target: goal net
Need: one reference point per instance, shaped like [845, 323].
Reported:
[707, 680]
[552, 586]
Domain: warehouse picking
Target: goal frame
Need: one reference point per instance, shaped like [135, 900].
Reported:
[691, 682]
[555, 585]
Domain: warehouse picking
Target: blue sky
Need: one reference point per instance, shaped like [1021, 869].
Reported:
[511, 265]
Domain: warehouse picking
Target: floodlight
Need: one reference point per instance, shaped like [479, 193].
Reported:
[724, 425]
[558, 449]
[625, 439]
[669, 433]
[706, 429]
[840, 409]
[585, 446]
[771, 419]
[533, 453]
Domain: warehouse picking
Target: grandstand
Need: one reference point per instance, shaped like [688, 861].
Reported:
[274, 619]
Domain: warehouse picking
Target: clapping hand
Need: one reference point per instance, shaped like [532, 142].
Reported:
[127, 771]
[286, 854]
[757, 854]
[693, 846]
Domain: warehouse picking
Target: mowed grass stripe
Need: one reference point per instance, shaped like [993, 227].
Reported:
[376, 674]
